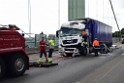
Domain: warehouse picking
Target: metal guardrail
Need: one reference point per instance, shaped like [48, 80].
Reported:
[37, 50]
[115, 40]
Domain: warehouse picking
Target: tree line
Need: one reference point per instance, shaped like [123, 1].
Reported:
[118, 33]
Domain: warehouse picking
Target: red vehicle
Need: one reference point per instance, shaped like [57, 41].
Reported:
[13, 58]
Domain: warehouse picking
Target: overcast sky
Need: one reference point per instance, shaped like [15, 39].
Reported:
[44, 13]
[101, 10]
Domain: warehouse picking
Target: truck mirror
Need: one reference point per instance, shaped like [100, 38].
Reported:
[23, 34]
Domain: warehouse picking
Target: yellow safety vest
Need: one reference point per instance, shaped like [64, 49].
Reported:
[52, 42]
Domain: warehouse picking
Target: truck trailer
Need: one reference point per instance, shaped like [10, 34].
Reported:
[13, 58]
[70, 38]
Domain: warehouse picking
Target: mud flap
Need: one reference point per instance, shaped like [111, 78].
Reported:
[104, 49]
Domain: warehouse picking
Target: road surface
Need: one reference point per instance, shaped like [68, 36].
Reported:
[107, 68]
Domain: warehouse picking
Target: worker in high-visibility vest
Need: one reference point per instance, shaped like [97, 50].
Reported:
[42, 51]
[84, 32]
[85, 43]
[84, 35]
[51, 49]
[95, 42]
[96, 46]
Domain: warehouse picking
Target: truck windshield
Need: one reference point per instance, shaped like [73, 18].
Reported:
[70, 31]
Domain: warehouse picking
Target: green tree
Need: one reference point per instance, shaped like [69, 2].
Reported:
[122, 31]
[116, 34]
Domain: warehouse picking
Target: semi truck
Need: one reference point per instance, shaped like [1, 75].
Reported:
[70, 38]
[13, 58]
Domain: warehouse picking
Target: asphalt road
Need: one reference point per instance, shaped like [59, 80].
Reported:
[107, 68]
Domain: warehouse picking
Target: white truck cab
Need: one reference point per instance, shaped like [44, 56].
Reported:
[70, 38]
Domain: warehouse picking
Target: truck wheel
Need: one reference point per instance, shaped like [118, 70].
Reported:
[2, 68]
[18, 64]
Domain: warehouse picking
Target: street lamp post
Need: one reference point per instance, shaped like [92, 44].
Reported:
[58, 14]
[29, 15]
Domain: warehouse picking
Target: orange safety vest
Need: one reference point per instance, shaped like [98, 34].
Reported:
[95, 43]
[84, 33]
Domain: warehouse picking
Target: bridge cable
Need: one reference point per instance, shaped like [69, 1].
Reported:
[115, 16]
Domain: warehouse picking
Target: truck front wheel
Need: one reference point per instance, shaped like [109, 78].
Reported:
[2, 68]
[18, 64]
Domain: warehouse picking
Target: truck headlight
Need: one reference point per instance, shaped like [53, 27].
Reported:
[61, 49]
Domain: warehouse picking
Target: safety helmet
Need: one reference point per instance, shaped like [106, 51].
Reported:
[95, 38]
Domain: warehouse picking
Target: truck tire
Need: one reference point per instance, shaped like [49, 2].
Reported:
[2, 68]
[18, 64]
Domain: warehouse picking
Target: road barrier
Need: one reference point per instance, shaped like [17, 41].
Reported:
[37, 50]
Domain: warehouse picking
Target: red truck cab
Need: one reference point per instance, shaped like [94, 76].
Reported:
[13, 58]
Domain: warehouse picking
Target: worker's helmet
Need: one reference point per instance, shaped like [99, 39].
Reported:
[96, 39]
[83, 29]
[42, 38]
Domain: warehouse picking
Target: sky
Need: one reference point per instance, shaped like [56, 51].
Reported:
[101, 10]
[45, 13]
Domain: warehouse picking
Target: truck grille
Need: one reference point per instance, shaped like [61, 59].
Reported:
[69, 49]
[69, 41]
